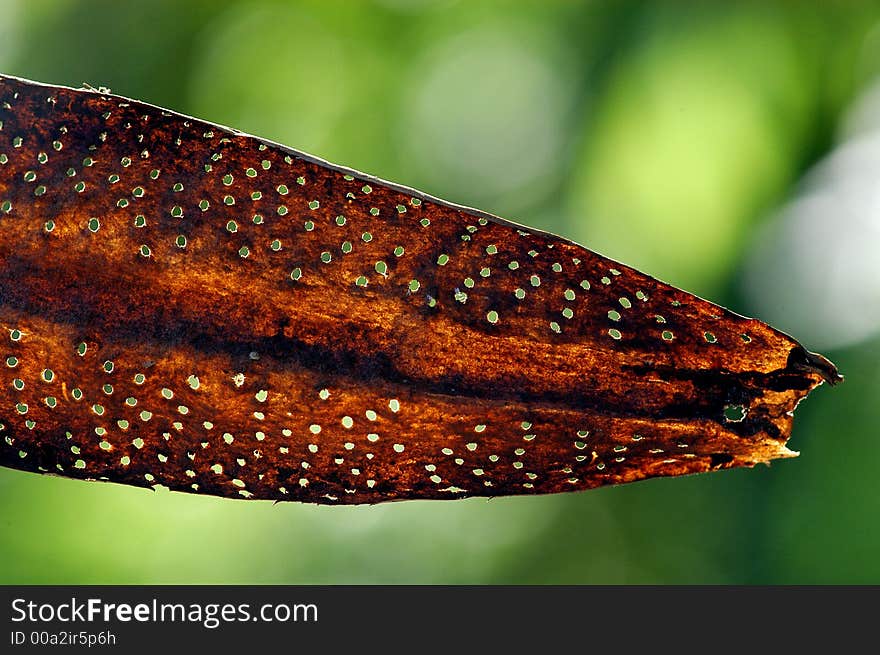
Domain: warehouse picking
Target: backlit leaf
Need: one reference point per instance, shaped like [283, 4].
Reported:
[188, 306]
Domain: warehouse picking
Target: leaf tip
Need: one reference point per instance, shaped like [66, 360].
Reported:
[801, 359]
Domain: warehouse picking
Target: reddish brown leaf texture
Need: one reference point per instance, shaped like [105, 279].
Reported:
[188, 306]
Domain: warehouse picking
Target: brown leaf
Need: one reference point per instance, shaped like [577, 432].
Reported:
[188, 306]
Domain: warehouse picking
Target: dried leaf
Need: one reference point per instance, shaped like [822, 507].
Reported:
[188, 306]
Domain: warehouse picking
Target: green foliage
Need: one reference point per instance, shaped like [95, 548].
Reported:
[658, 134]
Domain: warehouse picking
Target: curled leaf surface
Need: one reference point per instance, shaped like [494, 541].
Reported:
[188, 306]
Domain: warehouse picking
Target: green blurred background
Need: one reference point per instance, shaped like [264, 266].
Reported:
[732, 149]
